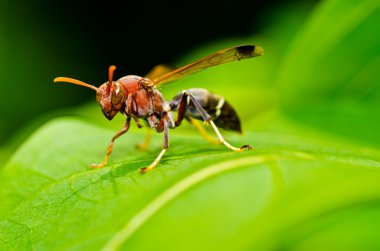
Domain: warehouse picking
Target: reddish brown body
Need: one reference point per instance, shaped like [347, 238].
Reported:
[141, 101]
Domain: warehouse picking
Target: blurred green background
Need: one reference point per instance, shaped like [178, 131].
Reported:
[310, 107]
[44, 39]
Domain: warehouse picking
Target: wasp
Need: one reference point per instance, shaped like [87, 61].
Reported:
[138, 98]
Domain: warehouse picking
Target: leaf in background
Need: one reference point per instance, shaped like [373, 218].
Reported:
[200, 197]
[330, 78]
[250, 80]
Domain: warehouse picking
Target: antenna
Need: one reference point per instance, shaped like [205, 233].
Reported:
[76, 82]
[111, 69]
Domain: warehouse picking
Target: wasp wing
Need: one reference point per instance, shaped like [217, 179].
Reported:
[159, 70]
[218, 58]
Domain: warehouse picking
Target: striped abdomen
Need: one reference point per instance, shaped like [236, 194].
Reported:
[221, 112]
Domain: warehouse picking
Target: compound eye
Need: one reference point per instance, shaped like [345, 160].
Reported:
[118, 94]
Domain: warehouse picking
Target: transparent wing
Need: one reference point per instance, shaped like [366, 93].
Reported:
[218, 58]
[159, 70]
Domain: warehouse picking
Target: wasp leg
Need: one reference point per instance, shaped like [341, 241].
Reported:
[183, 107]
[146, 143]
[137, 121]
[110, 146]
[165, 147]
[206, 118]
[203, 132]
[131, 109]
[224, 142]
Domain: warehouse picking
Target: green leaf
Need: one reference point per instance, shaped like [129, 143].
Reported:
[330, 77]
[285, 193]
[311, 183]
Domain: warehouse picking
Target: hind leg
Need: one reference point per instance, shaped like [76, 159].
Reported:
[206, 118]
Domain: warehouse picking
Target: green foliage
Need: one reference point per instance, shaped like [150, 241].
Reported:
[309, 108]
[288, 193]
[334, 62]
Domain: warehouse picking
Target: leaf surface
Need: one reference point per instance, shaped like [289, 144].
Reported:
[187, 202]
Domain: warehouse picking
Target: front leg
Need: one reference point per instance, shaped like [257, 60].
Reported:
[131, 109]
[137, 121]
[110, 146]
[206, 118]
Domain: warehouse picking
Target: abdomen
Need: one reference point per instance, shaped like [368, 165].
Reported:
[221, 112]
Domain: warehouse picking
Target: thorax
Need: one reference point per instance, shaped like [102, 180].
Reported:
[142, 101]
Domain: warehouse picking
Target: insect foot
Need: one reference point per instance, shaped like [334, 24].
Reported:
[248, 147]
[154, 163]
[145, 170]
[95, 166]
